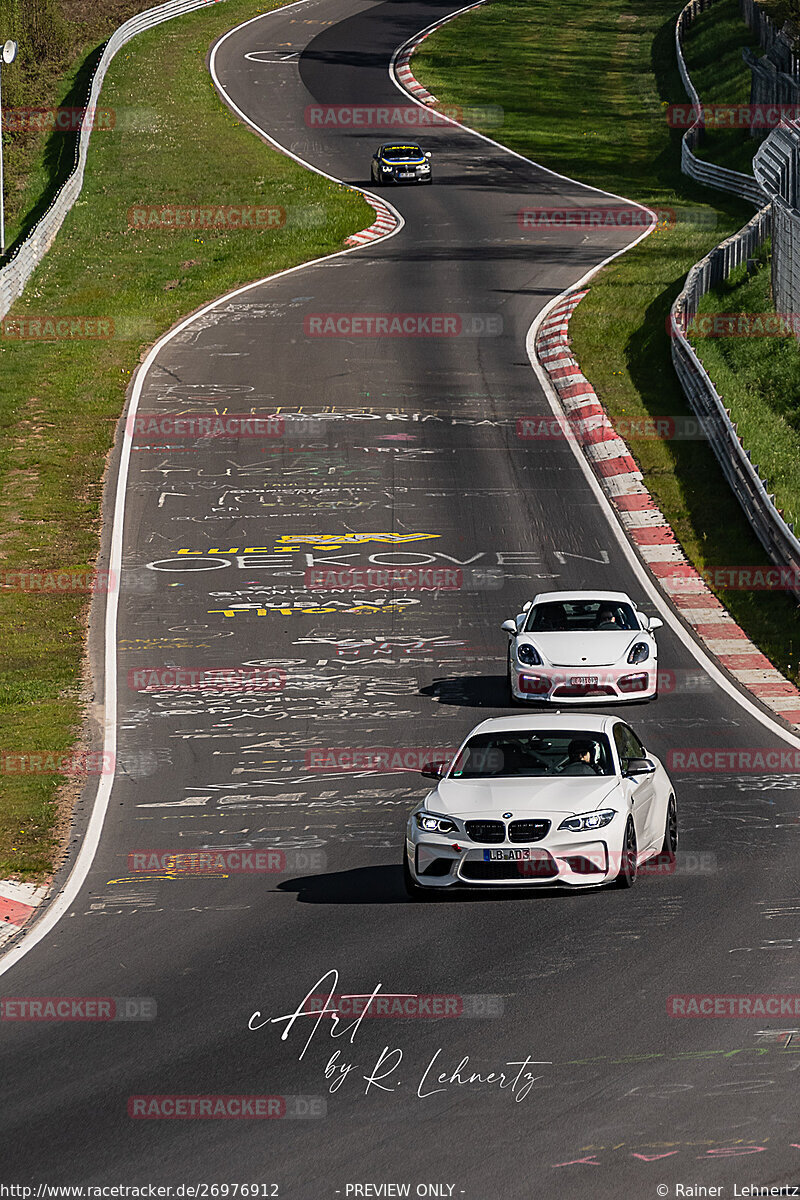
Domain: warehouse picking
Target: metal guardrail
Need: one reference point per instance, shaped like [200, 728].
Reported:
[697, 168]
[776, 535]
[26, 258]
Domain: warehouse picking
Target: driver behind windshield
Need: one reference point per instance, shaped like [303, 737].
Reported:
[606, 619]
[580, 755]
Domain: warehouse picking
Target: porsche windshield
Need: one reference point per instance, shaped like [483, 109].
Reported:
[577, 616]
[533, 753]
[400, 153]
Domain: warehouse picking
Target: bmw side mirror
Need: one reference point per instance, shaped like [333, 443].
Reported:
[427, 153]
[509, 627]
[434, 770]
[639, 766]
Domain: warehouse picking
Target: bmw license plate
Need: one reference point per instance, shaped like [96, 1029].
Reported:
[405, 174]
[583, 680]
[506, 855]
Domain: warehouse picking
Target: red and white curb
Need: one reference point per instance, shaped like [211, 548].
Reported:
[384, 223]
[18, 901]
[646, 525]
[406, 75]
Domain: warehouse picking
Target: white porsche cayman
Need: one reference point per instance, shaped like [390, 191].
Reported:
[547, 800]
[582, 647]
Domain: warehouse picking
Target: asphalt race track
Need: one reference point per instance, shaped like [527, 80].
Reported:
[414, 444]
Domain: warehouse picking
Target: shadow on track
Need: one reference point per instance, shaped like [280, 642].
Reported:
[470, 691]
[384, 885]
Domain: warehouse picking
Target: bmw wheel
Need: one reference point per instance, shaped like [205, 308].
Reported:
[627, 870]
[670, 845]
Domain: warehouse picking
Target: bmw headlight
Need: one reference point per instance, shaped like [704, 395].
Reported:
[585, 821]
[529, 655]
[639, 652]
[431, 823]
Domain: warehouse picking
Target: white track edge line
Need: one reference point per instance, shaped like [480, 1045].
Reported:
[94, 828]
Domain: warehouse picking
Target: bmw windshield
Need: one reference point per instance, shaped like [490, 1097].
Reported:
[505, 755]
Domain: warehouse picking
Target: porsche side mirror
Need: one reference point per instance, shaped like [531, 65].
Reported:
[655, 623]
[509, 627]
[527, 605]
[434, 770]
[639, 766]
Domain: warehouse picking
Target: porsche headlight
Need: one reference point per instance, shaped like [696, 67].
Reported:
[431, 823]
[586, 821]
[529, 655]
[639, 652]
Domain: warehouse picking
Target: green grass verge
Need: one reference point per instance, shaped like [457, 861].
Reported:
[60, 400]
[759, 378]
[584, 90]
[712, 49]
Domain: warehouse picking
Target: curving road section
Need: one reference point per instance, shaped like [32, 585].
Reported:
[413, 458]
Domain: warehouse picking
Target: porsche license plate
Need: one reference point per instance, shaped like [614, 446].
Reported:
[506, 855]
[583, 680]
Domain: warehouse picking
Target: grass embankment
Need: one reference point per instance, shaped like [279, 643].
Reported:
[712, 49]
[59, 43]
[584, 89]
[60, 400]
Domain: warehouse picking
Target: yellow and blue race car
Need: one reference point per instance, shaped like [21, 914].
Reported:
[399, 162]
